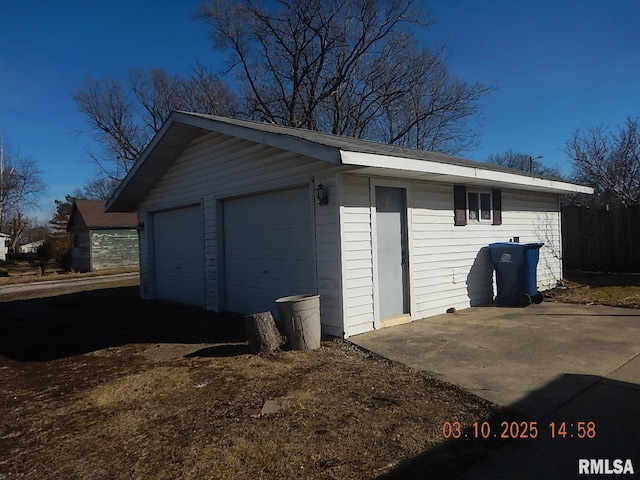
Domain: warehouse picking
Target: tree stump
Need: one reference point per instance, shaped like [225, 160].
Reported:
[264, 336]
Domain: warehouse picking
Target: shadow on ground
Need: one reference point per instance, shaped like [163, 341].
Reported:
[602, 422]
[225, 350]
[50, 328]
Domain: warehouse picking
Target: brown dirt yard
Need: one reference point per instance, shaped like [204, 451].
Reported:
[102, 385]
[98, 384]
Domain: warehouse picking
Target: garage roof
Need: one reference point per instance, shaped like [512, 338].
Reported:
[363, 156]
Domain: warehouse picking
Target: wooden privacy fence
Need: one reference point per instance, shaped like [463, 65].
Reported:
[601, 240]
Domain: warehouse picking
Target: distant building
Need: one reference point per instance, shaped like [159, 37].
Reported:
[100, 240]
[4, 239]
[30, 247]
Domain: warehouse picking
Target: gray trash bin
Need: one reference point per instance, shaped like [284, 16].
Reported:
[300, 319]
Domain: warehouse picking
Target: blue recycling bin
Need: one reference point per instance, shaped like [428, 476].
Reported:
[516, 279]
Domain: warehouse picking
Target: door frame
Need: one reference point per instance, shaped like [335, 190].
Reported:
[382, 182]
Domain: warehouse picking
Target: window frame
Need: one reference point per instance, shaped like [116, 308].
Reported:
[478, 194]
[461, 210]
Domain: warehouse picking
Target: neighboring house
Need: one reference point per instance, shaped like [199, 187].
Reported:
[4, 239]
[100, 240]
[231, 220]
[30, 247]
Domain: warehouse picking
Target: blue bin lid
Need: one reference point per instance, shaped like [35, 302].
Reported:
[530, 246]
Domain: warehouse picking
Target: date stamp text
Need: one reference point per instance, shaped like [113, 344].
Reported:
[513, 430]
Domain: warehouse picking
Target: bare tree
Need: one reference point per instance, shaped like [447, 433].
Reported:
[204, 92]
[124, 116]
[114, 121]
[431, 110]
[99, 188]
[349, 67]
[609, 162]
[21, 186]
[34, 232]
[524, 162]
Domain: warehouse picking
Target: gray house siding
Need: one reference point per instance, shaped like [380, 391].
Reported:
[103, 249]
[80, 250]
[114, 248]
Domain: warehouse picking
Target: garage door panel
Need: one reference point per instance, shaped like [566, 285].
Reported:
[179, 255]
[268, 249]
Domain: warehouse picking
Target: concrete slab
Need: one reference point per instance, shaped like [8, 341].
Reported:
[601, 423]
[506, 355]
[628, 373]
[575, 365]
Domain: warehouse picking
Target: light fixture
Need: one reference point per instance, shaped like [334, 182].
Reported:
[140, 227]
[322, 195]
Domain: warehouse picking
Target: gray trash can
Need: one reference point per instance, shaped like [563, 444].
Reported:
[300, 319]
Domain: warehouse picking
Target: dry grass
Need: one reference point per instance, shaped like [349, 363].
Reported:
[101, 385]
[344, 414]
[616, 290]
[24, 272]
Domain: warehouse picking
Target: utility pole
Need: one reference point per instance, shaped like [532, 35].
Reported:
[531, 159]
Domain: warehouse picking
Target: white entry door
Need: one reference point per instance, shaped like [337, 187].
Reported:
[178, 243]
[392, 252]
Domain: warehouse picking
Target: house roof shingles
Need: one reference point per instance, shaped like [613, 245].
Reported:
[93, 216]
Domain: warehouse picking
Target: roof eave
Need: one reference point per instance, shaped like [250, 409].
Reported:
[111, 227]
[449, 173]
[162, 150]
[278, 139]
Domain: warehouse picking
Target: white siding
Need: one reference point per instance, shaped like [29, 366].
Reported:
[536, 218]
[357, 255]
[448, 267]
[328, 269]
[445, 266]
[4, 239]
[215, 167]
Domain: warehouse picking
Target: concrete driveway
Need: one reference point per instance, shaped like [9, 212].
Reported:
[553, 362]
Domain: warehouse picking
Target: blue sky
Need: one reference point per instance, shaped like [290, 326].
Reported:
[556, 65]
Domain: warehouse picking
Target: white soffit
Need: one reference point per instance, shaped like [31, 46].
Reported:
[385, 165]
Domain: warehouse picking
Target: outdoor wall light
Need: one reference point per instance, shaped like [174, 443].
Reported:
[322, 195]
[140, 227]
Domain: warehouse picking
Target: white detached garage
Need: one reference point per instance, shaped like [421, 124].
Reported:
[230, 220]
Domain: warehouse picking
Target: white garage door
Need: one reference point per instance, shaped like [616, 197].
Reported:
[179, 255]
[268, 249]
